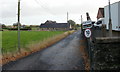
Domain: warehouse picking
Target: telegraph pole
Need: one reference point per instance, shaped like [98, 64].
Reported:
[19, 26]
[67, 20]
[67, 17]
[81, 19]
[81, 24]
[110, 21]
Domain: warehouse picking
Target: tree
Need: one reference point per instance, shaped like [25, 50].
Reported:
[72, 23]
[16, 24]
[3, 26]
[77, 25]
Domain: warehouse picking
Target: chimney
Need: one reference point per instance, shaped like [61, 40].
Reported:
[88, 17]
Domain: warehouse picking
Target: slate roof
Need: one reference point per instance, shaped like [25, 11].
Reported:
[54, 25]
[100, 13]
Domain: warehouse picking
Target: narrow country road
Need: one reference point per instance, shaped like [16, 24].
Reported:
[64, 55]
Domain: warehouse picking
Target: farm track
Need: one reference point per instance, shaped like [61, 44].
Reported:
[64, 55]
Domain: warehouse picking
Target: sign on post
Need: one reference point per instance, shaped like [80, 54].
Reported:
[87, 33]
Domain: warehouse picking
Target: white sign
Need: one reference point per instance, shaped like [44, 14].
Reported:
[87, 33]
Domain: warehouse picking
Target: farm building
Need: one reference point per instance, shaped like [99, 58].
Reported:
[52, 25]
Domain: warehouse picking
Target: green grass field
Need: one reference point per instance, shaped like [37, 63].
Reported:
[9, 38]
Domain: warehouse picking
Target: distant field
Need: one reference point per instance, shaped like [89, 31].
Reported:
[9, 38]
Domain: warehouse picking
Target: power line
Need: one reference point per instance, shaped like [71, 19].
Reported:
[45, 8]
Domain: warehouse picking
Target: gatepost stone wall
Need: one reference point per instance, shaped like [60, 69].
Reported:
[105, 51]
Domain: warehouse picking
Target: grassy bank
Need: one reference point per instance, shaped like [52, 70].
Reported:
[9, 38]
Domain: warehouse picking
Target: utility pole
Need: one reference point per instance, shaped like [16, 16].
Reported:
[67, 20]
[110, 21]
[67, 17]
[19, 26]
[81, 19]
[81, 24]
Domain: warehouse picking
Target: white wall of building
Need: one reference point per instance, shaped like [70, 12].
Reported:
[119, 16]
[115, 14]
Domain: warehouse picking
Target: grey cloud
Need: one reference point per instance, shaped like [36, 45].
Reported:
[8, 9]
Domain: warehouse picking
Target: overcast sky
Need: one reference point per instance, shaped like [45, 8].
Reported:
[35, 12]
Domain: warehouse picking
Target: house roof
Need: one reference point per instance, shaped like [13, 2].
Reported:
[100, 13]
[54, 25]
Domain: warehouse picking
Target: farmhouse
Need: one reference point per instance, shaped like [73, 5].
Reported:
[52, 25]
[100, 13]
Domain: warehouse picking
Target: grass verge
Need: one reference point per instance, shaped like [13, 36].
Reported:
[31, 48]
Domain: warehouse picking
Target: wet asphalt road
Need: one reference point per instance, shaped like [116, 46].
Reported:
[64, 55]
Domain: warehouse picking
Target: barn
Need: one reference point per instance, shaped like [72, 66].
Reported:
[52, 25]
